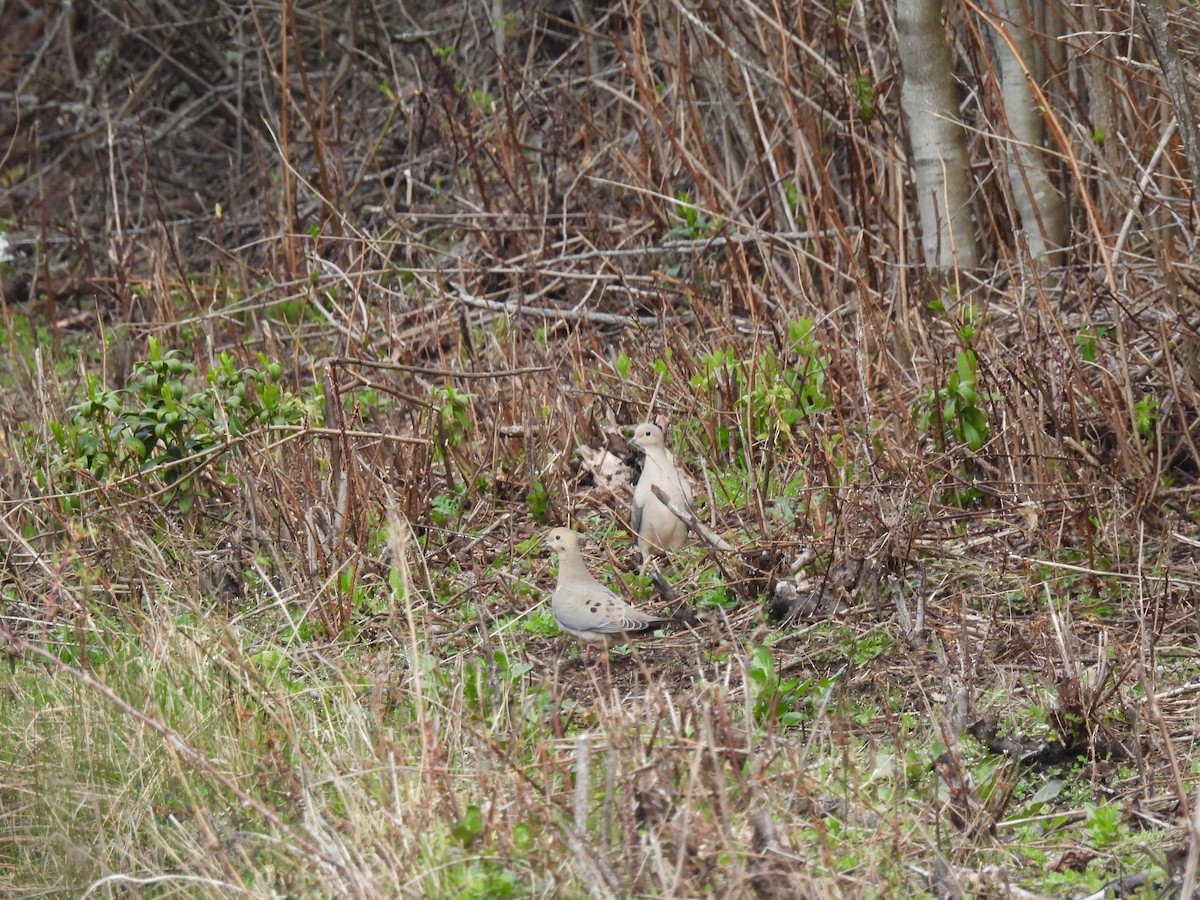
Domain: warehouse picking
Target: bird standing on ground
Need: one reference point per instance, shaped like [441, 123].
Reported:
[659, 531]
[585, 608]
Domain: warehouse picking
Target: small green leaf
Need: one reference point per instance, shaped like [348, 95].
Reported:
[469, 828]
[622, 365]
[522, 837]
[1048, 791]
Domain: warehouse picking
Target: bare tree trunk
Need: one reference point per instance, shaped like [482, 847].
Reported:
[1039, 204]
[936, 139]
[1169, 61]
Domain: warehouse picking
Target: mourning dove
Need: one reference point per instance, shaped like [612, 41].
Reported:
[583, 606]
[659, 531]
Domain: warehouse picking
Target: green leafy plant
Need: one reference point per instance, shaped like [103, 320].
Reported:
[792, 192]
[162, 424]
[777, 700]
[775, 392]
[469, 829]
[446, 508]
[454, 409]
[718, 370]
[717, 598]
[293, 312]
[1145, 415]
[1104, 827]
[662, 368]
[694, 225]
[482, 100]
[864, 93]
[952, 413]
[871, 646]
[622, 365]
[272, 667]
[1085, 342]
[540, 623]
[538, 502]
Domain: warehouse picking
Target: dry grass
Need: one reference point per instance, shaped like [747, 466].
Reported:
[476, 238]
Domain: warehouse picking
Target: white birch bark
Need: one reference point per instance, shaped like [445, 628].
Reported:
[936, 139]
[1039, 204]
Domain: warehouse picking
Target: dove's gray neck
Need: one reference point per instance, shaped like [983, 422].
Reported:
[571, 566]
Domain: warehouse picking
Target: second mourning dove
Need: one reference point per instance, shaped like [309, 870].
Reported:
[659, 531]
[585, 608]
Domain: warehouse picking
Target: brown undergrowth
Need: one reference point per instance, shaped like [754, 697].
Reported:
[954, 649]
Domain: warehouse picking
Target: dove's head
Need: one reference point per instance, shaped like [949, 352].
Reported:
[647, 435]
[559, 539]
